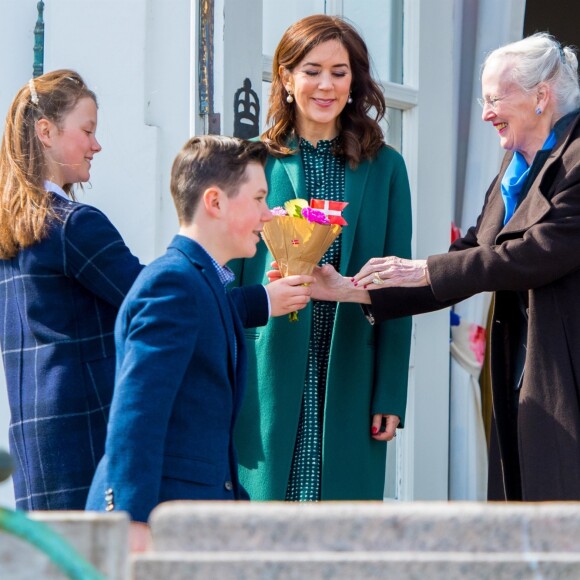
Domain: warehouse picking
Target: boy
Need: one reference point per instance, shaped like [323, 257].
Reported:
[181, 361]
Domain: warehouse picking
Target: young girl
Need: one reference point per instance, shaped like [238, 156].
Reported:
[64, 271]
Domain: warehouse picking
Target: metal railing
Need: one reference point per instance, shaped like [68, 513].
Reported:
[38, 65]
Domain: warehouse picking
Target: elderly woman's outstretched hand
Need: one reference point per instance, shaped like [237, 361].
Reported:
[392, 271]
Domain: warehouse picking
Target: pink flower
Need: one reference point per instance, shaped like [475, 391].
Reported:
[314, 215]
[278, 210]
[477, 342]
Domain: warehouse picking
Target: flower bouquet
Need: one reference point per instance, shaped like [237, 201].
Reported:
[299, 235]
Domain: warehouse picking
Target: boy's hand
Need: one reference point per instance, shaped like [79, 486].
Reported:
[139, 537]
[289, 294]
[274, 274]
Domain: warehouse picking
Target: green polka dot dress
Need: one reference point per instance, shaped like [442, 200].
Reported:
[324, 173]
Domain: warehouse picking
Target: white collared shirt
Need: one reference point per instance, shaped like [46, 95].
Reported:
[54, 188]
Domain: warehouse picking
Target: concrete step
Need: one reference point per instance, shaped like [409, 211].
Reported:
[356, 565]
[366, 527]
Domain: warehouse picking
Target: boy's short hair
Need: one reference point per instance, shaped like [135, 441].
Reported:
[211, 160]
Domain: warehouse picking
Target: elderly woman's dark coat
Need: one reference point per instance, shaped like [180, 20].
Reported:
[537, 256]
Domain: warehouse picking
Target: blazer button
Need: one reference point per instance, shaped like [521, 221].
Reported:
[110, 507]
[229, 485]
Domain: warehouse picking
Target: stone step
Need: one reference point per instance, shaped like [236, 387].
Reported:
[366, 527]
[356, 565]
[100, 538]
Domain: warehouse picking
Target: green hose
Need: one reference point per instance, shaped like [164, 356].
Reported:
[49, 542]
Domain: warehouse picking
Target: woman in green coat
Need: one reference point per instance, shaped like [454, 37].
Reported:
[327, 392]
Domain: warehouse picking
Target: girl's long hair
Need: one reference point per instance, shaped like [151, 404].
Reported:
[24, 204]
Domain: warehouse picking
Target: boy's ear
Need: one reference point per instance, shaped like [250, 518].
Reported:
[44, 129]
[212, 200]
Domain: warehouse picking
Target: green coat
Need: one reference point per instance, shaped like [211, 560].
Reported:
[368, 365]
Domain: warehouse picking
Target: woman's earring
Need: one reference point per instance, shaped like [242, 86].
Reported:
[289, 98]
[349, 100]
[538, 111]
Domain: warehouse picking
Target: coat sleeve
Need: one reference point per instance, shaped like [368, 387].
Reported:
[391, 303]
[543, 253]
[393, 338]
[252, 304]
[96, 255]
[150, 329]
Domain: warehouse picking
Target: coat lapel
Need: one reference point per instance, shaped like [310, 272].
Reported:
[292, 165]
[355, 189]
[201, 260]
[536, 203]
[492, 219]
[491, 231]
[237, 342]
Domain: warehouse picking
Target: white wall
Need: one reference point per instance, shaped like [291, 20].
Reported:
[136, 55]
[123, 176]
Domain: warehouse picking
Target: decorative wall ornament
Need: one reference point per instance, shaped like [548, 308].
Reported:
[246, 112]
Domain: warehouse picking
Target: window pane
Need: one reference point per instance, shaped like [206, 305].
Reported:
[278, 16]
[379, 21]
[381, 24]
[392, 127]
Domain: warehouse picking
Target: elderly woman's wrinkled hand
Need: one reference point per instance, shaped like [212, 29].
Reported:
[391, 271]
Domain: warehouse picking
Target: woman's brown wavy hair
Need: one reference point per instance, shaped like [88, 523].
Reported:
[24, 205]
[360, 134]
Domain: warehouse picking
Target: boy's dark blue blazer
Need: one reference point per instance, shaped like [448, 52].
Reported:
[180, 380]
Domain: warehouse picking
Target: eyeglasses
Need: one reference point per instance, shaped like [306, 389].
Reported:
[493, 101]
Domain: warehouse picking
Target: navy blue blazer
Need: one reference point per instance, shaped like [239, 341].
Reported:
[180, 380]
[59, 300]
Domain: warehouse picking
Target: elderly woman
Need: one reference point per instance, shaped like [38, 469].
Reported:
[524, 247]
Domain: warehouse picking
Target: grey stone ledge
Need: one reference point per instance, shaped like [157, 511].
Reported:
[343, 566]
[367, 526]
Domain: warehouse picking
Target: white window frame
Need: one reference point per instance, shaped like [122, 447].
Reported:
[423, 446]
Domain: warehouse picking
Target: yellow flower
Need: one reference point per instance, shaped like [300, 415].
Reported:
[294, 207]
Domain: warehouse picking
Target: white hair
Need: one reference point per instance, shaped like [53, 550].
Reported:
[541, 58]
